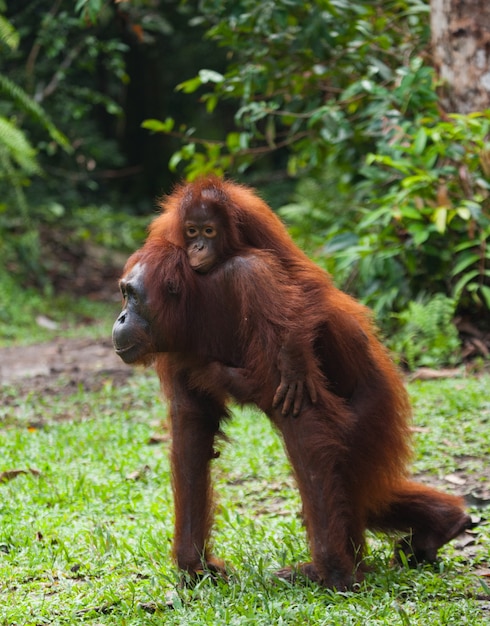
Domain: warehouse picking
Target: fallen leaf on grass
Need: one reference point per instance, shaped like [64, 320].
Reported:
[465, 540]
[46, 322]
[138, 474]
[426, 373]
[13, 473]
[484, 572]
[474, 499]
[449, 444]
[157, 439]
[454, 479]
[103, 609]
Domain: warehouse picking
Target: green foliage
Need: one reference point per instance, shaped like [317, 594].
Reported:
[418, 221]
[97, 225]
[15, 150]
[427, 336]
[303, 77]
[29, 140]
[89, 9]
[76, 79]
[9, 37]
[17, 156]
[29, 106]
[433, 202]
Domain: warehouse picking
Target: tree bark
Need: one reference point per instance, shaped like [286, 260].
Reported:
[461, 49]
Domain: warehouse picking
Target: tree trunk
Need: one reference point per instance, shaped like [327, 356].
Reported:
[461, 48]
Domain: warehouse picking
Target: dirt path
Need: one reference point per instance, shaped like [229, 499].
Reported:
[37, 366]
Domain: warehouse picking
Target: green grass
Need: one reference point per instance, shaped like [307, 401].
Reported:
[88, 539]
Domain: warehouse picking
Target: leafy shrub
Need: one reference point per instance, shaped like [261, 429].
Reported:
[306, 80]
[435, 204]
[417, 217]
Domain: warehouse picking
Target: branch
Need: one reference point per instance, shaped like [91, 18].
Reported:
[36, 48]
[64, 65]
[259, 150]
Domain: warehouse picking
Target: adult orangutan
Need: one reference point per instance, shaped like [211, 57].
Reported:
[221, 332]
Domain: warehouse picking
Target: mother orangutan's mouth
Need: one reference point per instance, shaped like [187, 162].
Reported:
[123, 350]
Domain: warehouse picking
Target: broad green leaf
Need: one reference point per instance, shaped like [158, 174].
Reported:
[440, 219]
[463, 281]
[420, 141]
[189, 86]
[211, 100]
[416, 181]
[410, 212]
[465, 262]
[486, 295]
[175, 159]
[157, 126]
[210, 76]
[465, 245]
[464, 213]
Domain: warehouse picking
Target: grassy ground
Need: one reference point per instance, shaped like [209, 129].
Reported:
[85, 532]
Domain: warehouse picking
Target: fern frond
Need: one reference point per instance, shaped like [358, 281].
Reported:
[8, 35]
[18, 147]
[428, 336]
[33, 109]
